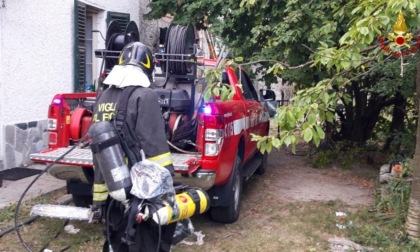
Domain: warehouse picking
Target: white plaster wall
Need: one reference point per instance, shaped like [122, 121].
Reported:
[37, 57]
[1, 94]
[37, 54]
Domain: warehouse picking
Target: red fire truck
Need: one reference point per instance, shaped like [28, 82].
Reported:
[210, 142]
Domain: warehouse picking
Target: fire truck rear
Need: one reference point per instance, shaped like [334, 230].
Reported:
[210, 141]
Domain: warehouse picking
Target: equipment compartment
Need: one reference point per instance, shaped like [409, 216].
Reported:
[175, 99]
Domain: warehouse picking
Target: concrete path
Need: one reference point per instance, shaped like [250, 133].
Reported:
[11, 191]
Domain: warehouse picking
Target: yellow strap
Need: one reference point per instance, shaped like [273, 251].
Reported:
[166, 163]
[100, 196]
[100, 188]
[163, 160]
[156, 158]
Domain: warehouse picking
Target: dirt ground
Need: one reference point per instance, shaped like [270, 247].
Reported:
[297, 181]
[290, 208]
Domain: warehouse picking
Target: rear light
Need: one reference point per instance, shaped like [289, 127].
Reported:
[211, 149]
[207, 110]
[213, 130]
[214, 121]
[52, 124]
[53, 138]
[213, 134]
[57, 101]
[214, 140]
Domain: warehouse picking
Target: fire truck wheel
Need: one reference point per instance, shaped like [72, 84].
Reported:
[89, 174]
[82, 200]
[263, 166]
[230, 213]
[81, 193]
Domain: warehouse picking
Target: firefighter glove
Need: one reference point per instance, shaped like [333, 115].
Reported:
[95, 215]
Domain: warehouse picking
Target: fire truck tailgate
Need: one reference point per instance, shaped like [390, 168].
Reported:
[83, 157]
[78, 156]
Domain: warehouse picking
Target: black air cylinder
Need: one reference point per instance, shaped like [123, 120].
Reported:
[110, 157]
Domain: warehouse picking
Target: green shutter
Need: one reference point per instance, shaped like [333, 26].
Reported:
[122, 18]
[79, 46]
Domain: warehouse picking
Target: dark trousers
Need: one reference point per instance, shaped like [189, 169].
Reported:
[145, 236]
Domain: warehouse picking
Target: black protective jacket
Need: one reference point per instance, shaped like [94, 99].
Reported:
[145, 125]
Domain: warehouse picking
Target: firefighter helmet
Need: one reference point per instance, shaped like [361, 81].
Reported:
[138, 54]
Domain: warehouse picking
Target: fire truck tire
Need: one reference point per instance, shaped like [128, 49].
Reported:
[230, 213]
[82, 200]
[89, 174]
[80, 192]
[263, 166]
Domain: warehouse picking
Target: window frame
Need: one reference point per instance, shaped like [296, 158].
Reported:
[249, 87]
[81, 11]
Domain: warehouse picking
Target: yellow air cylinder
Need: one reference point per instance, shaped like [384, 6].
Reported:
[188, 204]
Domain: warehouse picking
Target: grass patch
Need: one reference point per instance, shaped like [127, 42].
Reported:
[378, 231]
[45, 232]
[383, 227]
[268, 222]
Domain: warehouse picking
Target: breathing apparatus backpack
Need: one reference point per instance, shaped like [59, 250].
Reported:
[110, 147]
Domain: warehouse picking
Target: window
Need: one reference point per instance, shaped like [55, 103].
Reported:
[89, 73]
[79, 47]
[86, 20]
[122, 18]
[249, 92]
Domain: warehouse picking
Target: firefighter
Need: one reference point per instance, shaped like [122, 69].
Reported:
[145, 127]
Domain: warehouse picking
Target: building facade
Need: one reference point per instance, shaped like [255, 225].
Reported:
[47, 47]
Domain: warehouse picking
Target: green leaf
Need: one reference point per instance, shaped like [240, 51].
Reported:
[363, 30]
[330, 116]
[276, 142]
[311, 119]
[294, 148]
[316, 138]
[314, 106]
[269, 147]
[290, 117]
[323, 44]
[239, 59]
[225, 93]
[216, 91]
[263, 147]
[325, 97]
[259, 144]
[320, 132]
[207, 95]
[384, 20]
[287, 140]
[356, 10]
[346, 64]
[307, 134]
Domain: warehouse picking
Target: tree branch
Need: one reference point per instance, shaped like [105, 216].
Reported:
[279, 62]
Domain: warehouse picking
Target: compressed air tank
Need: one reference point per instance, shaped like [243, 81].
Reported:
[110, 157]
[187, 204]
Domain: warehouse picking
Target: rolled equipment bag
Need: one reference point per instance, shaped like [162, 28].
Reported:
[110, 157]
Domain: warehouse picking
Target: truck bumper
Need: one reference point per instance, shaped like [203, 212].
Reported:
[68, 168]
[201, 179]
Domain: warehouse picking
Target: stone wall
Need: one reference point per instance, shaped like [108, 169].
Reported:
[148, 29]
[22, 139]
